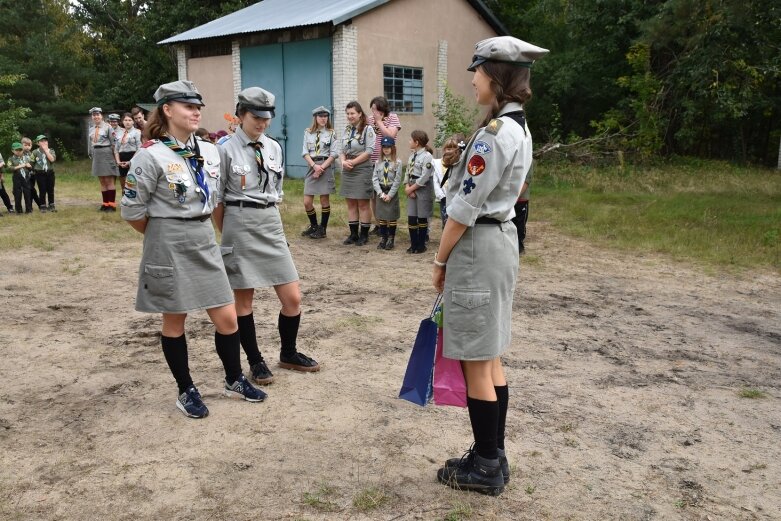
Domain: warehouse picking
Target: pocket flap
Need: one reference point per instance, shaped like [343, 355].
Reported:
[471, 298]
[158, 272]
[226, 250]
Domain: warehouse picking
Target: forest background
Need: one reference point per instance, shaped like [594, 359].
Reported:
[633, 79]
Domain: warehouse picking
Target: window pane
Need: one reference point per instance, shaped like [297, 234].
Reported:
[403, 87]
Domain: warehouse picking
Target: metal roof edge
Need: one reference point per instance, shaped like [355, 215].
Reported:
[489, 17]
[359, 11]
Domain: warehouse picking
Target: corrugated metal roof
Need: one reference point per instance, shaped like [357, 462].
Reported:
[278, 14]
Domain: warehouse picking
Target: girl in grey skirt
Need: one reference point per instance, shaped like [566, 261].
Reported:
[386, 181]
[101, 150]
[254, 248]
[320, 153]
[170, 193]
[419, 190]
[355, 154]
[477, 262]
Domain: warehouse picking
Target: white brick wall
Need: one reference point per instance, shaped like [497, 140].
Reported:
[441, 70]
[236, 66]
[345, 72]
[181, 62]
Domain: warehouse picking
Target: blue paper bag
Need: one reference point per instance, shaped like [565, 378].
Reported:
[416, 387]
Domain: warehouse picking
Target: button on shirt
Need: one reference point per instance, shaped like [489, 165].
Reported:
[243, 179]
[355, 143]
[320, 143]
[487, 179]
[161, 183]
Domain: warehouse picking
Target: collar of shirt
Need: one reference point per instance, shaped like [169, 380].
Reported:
[245, 139]
[510, 107]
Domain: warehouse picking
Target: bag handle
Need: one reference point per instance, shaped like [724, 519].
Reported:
[437, 302]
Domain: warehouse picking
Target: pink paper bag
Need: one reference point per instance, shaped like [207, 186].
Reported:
[449, 384]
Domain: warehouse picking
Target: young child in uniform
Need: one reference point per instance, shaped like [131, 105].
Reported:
[386, 181]
[320, 152]
[21, 179]
[451, 153]
[43, 157]
[419, 190]
[3, 193]
[27, 148]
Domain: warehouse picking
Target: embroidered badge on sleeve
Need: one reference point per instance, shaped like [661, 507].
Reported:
[476, 165]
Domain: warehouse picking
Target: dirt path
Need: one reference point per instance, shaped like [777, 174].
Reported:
[625, 378]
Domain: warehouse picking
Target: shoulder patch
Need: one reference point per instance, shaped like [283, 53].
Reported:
[493, 126]
[149, 143]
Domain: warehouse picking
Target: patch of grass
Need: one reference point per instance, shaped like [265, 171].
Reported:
[530, 488]
[566, 427]
[321, 500]
[680, 503]
[535, 453]
[370, 499]
[751, 394]
[569, 442]
[703, 211]
[459, 511]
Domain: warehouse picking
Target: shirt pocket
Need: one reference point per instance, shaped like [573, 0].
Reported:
[471, 310]
[159, 280]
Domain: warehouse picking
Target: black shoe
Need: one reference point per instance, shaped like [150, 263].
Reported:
[319, 233]
[111, 208]
[298, 362]
[422, 249]
[42, 209]
[475, 473]
[362, 241]
[52, 208]
[412, 249]
[383, 243]
[309, 231]
[452, 463]
[261, 374]
[351, 239]
[389, 245]
[103, 208]
[375, 231]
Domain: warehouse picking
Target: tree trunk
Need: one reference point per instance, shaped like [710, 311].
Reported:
[779, 154]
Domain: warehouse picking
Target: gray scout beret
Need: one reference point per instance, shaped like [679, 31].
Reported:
[320, 110]
[259, 102]
[182, 91]
[506, 49]
[113, 117]
[96, 110]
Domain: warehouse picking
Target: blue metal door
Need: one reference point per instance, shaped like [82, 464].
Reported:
[299, 75]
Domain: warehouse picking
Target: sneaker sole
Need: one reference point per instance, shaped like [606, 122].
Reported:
[184, 411]
[301, 368]
[235, 395]
[261, 381]
[488, 490]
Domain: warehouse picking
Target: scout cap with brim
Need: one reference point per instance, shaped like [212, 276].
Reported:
[257, 101]
[387, 141]
[41, 137]
[96, 110]
[506, 49]
[182, 91]
[16, 146]
[320, 111]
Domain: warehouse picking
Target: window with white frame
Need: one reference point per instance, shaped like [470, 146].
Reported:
[403, 88]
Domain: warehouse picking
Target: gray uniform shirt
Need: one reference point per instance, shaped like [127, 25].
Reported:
[127, 140]
[161, 183]
[42, 162]
[238, 161]
[354, 144]
[487, 179]
[102, 138]
[420, 167]
[325, 146]
[387, 177]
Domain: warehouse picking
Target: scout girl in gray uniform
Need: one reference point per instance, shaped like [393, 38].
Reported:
[254, 248]
[43, 157]
[103, 166]
[128, 140]
[170, 193]
[386, 180]
[320, 152]
[477, 262]
[419, 190]
[356, 150]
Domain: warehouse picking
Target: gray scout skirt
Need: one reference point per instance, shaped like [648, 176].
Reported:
[254, 248]
[103, 164]
[181, 268]
[479, 285]
[323, 185]
[357, 183]
[387, 211]
[423, 204]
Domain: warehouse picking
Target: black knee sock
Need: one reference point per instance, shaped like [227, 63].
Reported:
[288, 333]
[312, 214]
[325, 216]
[353, 228]
[502, 398]
[484, 417]
[365, 230]
[175, 352]
[249, 340]
[229, 350]
[392, 228]
[412, 224]
[422, 232]
[111, 195]
[104, 194]
[383, 228]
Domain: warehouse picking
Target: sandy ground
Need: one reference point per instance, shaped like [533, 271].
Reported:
[625, 378]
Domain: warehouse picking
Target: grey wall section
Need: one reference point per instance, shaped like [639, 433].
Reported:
[299, 75]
